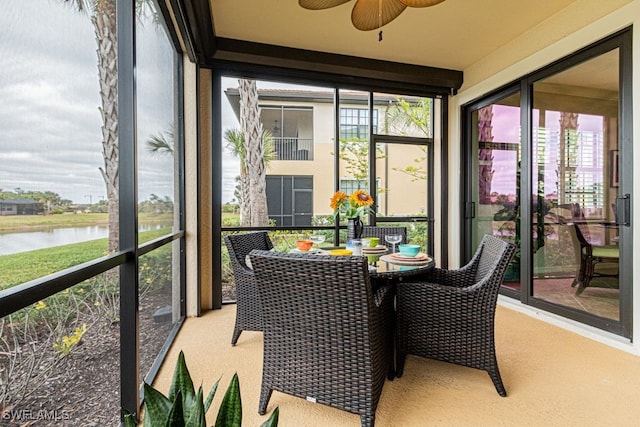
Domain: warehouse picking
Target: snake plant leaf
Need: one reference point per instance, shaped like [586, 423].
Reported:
[157, 407]
[194, 415]
[273, 419]
[212, 393]
[230, 412]
[176, 415]
[181, 380]
[130, 420]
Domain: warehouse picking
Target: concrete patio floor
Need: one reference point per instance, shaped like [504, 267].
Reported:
[553, 377]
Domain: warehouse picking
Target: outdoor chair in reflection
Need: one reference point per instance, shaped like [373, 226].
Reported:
[327, 336]
[449, 315]
[248, 306]
[590, 253]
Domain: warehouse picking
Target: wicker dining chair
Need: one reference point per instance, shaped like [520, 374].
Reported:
[380, 232]
[449, 315]
[248, 307]
[327, 338]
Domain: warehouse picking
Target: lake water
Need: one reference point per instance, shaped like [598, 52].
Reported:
[12, 243]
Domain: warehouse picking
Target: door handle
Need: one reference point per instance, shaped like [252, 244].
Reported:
[623, 210]
[470, 210]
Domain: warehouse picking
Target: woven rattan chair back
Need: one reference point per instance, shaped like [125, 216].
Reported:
[326, 336]
[248, 306]
[488, 256]
[449, 315]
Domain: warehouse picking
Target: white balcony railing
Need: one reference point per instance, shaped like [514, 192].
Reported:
[293, 148]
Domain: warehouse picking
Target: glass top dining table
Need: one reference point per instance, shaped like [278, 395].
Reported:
[383, 266]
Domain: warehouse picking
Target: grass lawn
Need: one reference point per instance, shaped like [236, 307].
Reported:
[17, 223]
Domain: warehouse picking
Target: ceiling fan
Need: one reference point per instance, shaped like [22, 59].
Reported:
[370, 14]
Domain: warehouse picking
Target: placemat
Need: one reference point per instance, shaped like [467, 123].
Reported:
[380, 249]
[417, 260]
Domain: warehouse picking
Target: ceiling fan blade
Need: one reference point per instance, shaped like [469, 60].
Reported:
[365, 14]
[421, 3]
[320, 4]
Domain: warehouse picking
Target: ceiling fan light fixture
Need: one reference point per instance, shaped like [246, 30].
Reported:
[369, 15]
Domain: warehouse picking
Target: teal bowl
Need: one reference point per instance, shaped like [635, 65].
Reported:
[409, 250]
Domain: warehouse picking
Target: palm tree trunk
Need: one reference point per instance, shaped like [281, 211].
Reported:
[104, 23]
[485, 154]
[254, 148]
[245, 202]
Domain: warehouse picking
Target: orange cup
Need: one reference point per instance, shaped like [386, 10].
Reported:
[304, 245]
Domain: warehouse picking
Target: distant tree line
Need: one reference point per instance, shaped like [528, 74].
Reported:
[53, 203]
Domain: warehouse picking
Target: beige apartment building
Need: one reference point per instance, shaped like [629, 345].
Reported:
[301, 122]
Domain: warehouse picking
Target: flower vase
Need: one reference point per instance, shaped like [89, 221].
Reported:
[354, 228]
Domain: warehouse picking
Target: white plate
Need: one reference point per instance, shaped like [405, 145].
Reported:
[298, 251]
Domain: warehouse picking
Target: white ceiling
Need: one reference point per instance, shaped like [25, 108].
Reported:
[454, 34]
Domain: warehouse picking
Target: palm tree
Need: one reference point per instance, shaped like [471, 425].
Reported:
[485, 154]
[103, 18]
[235, 143]
[254, 151]
[409, 118]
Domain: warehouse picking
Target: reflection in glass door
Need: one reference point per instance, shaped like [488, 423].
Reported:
[495, 209]
[575, 250]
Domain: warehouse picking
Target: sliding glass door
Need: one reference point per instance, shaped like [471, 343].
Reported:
[575, 156]
[545, 170]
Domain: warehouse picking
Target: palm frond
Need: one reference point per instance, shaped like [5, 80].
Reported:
[161, 144]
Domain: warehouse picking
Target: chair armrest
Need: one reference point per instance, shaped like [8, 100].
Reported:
[418, 300]
[459, 278]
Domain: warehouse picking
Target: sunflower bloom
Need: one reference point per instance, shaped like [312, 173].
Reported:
[338, 200]
[360, 198]
[351, 206]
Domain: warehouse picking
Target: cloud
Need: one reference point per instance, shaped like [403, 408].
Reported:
[50, 124]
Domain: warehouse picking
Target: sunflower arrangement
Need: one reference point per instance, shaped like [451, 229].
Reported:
[353, 206]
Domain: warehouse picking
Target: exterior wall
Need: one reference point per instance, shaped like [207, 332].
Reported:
[8, 209]
[206, 203]
[191, 183]
[575, 27]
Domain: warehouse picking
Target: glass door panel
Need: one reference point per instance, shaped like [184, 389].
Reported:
[404, 162]
[402, 176]
[575, 184]
[402, 188]
[495, 135]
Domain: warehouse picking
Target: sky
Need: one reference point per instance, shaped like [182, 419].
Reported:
[506, 128]
[50, 124]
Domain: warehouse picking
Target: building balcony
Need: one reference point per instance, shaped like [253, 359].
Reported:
[293, 148]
